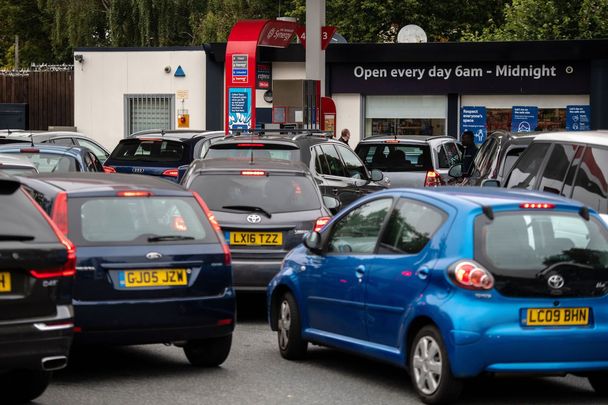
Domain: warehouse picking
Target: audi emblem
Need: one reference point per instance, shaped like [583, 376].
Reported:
[556, 281]
[153, 256]
[137, 170]
[254, 219]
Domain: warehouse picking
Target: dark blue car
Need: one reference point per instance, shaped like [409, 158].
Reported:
[151, 265]
[451, 284]
[55, 158]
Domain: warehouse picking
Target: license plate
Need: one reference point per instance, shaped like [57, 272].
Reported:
[556, 317]
[153, 278]
[256, 238]
[5, 282]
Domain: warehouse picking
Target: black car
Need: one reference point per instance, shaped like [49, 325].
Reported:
[66, 138]
[264, 207]
[166, 154]
[334, 166]
[37, 264]
[151, 266]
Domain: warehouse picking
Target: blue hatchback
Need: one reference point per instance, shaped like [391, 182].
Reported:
[450, 284]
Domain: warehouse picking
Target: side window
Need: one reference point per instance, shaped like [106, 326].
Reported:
[452, 152]
[526, 170]
[352, 163]
[63, 141]
[320, 162]
[410, 227]
[89, 162]
[359, 230]
[490, 157]
[442, 158]
[569, 181]
[555, 170]
[510, 159]
[97, 166]
[97, 151]
[591, 185]
[336, 167]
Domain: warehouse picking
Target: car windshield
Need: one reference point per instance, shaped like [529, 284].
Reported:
[541, 241]
[51, 162]
[150, 150]
[274, 193]
[128, 220]
[260, 151]
[392, 157]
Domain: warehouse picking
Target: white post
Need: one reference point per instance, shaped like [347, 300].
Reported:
[315, 57]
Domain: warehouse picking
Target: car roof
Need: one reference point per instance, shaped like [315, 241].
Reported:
[174, 134]
[45, 148]
[592, 137]
[227, 164]
[407, 138]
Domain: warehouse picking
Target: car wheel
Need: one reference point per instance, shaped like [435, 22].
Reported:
[430, 369]
[599, 382]
[289, 335]
[21, 386]
[208, 352]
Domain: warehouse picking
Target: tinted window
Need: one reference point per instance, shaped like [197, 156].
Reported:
[489, 159]
[62, 141]
[537, 240]
[359, 230]
[135, 220]
[20, 217]
[591, 186]
[321, 165]
[510, 159]
[442, 158]
[150, 151]
[352, 164]
[273, 193]
[452, 153]
[51, 163]
[410, 227]
[556, 168]
[569, 181]
[334, 163]
[391, 157]
[526, 170]
[259, 150]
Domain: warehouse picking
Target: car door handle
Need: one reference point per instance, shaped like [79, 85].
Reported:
[360, 272]
[423, 273]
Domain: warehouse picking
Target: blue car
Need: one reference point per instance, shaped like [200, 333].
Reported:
[451, 284]
[151, 263]
[55, 158]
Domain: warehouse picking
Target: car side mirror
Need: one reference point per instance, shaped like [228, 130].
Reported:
[377, 175]
[313, 241]
[455, 171]
[331, 203]
[490, 183]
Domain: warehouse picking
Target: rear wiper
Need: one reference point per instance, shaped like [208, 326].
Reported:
[248, 208]
[16, 237]
[168, 238]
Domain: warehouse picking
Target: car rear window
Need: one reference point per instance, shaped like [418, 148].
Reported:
[17, 171]
[536, 241]
[150, 150]
[244, 150]
[274, 193]
[20, 218]
[138, 220]
[51, 162]
[401, 157]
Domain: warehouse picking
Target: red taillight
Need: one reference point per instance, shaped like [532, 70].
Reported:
[537, 206]
[253, 173]
[109, 169]
[249, 145]
[224, 322]
[171, 173]
[29, 150]
[472, 275]
[133, 193]
[392, 141]
[216, 227]
[59, 212]
[433, 179]
[320, 223]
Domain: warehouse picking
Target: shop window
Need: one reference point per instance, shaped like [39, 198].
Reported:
[549, 119]
[405, 115]
[148, 111]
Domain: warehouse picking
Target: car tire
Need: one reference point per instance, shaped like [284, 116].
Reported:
[599, 382]
[289, 329]
[22, 386]
[208, 352]
[430, 368]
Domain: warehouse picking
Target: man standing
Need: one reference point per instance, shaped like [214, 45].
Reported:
[469, 153]
[345, 135]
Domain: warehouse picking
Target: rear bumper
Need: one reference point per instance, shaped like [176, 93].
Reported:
[254, 275]
[24, 346]
[155, 321]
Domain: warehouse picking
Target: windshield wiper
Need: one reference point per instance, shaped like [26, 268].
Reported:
[168, 238]
[16, 237]
[248, 208]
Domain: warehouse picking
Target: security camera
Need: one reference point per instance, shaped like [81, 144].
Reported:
[167, 69]
[79, 58]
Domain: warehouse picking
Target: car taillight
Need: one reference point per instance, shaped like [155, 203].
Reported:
[69, 267]
[29, 150]
[471, 275]
[171, 173]
[249, 145]
[432, 179]
[133, 193]
[320, 223]
[253, 173]
[109, 169]
[216, 227]
[60, 212]
[537, 206]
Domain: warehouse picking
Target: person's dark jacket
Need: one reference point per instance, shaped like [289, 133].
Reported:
[343, 140]
[468, 157]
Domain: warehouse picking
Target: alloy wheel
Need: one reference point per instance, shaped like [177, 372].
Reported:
[427, 365]
[284, 324]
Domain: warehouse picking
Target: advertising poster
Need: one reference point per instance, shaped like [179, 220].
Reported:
[239, 108]
[578, 118]
[474, 119]
[524, 118]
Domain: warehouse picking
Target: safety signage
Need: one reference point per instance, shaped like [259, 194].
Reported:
[240, 68]
[474, 119]
[578, 118]
[239, 108]
[524, 118]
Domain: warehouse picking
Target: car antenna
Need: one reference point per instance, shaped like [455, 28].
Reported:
[488, 212]
[162, 133]
[32, 139]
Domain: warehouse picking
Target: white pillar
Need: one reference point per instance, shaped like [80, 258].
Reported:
[315, 57]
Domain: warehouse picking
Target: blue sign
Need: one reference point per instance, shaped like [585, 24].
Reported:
[239, 108]
[578, 117]
[179, 72]
[474, 119]
[524, 118]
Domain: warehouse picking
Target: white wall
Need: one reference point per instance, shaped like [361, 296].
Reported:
[348, 115]
[101, 82]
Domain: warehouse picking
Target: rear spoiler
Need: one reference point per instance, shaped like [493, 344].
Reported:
[8, 185]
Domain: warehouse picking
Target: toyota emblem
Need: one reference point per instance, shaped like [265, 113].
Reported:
[254, 218]
[556, 281]
[153, 256]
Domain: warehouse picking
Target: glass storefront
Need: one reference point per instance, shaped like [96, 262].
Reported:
[549, 119]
